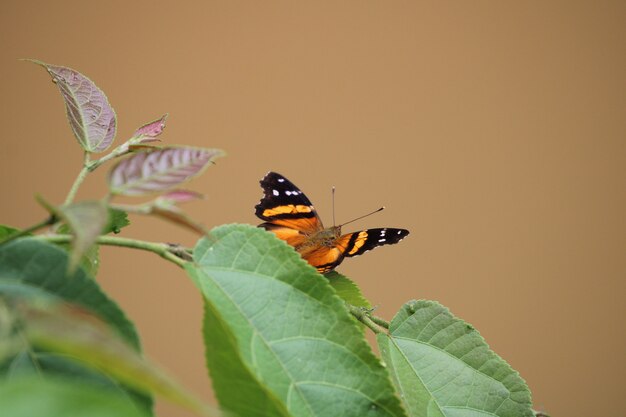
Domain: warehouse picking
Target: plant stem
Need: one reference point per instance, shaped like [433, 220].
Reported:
[381, 322]
[162, 249]
[79, 180]
[50, 220]
[119, 151]
[363, 316]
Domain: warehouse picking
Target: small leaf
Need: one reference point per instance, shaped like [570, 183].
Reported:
[159, 170]
[442, 367]
[91, 117]
[118, 219]
[149, 131]
[86, 220]
[347, 290]
[6, 231]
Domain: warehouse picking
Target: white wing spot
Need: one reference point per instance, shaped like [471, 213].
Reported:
[275, 192]
[281, 180]
[399, 232]
[382, 232]
[382, 240]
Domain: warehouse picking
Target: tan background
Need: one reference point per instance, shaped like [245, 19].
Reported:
[494, 131]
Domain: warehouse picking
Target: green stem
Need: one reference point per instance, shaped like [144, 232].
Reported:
[162, 249]
[381, 322]
[79, 180]
[119, 151]
[50, 220]
[363, 316]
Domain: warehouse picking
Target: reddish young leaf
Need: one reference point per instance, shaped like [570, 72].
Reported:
[91, 117]
[149, 131]
[155, 171]
[178, 196]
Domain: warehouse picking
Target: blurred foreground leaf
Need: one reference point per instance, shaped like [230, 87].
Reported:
[34, 396]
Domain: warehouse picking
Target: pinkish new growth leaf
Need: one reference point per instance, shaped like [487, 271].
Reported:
[91, 117]
[148, 132]
[178, 196]
[159, 170]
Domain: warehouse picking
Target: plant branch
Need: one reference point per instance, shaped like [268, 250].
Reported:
[119, 151]
[47, 222]
[79, 180]
[363, 315]
[164, 250]
[379, 321]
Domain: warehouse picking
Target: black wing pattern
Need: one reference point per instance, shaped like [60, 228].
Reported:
[284, 204]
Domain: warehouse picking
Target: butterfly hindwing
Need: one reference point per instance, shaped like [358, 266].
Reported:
[357, 243]
[283, 204]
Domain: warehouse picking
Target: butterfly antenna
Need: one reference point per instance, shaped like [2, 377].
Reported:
[333, 205]
[365, 215]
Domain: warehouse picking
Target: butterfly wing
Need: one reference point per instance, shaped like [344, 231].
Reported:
[325, 259]
[284, 206]
[357, 243]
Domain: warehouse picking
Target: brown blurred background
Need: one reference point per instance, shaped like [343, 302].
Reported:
[494, 131]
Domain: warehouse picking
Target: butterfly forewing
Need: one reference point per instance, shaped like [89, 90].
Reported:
[283, 204]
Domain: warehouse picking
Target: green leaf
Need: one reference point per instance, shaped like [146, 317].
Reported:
[235, 385]
[291, 331]
[86, 220]
[443, 367]
[90, 260]
[29, 266]
[118, 219]
[62, 397]
[347, 289]
[7, 231]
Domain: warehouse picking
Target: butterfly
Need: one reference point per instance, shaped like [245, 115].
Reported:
[289, 214]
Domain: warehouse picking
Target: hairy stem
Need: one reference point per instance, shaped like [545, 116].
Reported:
[363, 315]
[164, 250]
[50, 220]
[79, 180]
[123, 149]
[381, 322]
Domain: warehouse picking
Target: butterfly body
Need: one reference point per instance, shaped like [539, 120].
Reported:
[289, 214]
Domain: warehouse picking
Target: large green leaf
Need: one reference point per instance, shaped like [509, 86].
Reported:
[61, 397]
[443, 367]
[292, 332]
[236, 386]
